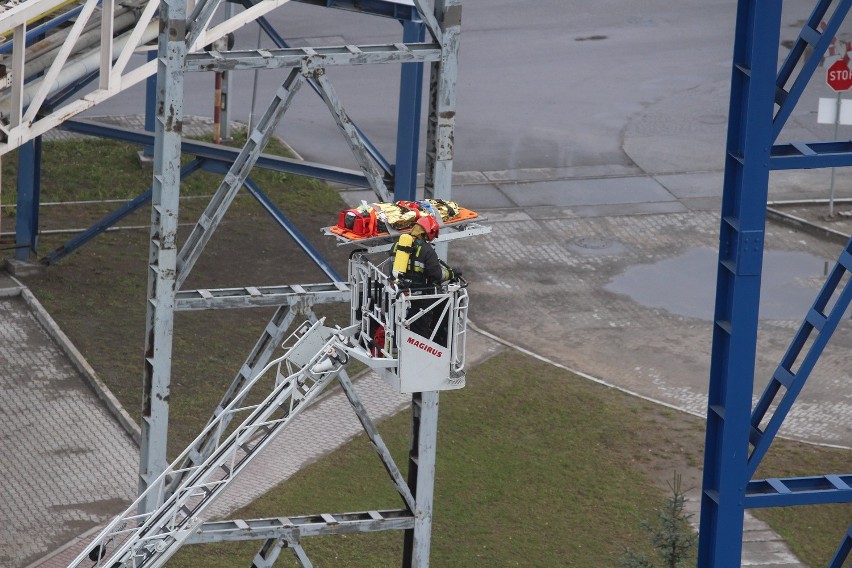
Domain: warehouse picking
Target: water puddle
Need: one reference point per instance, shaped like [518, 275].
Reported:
[685, 285]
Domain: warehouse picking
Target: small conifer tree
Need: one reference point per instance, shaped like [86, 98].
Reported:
[671, 536]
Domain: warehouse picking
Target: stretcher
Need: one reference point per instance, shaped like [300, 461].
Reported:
[465, 223]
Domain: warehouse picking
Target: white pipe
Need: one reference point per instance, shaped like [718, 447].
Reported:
[78, 68]
[39, 59]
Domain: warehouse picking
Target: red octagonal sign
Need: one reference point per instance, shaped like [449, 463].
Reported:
[839, 76]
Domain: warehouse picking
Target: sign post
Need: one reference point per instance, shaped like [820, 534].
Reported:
[838, 76]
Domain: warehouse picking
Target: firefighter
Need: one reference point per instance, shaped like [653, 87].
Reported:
[417, 262]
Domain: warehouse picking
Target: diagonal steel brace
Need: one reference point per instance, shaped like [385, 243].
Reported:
[350, 133]
[255, 143]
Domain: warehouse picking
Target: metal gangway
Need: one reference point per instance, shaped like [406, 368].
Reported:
[49, 49]
[314, 357]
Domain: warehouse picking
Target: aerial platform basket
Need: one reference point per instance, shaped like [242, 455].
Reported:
[383, 311]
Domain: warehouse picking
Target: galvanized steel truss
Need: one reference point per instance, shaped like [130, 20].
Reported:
[256, 141]
[763, 97]
[163, 249]
[288, 532]
[168, 267]
[34, 107]
[23, 119]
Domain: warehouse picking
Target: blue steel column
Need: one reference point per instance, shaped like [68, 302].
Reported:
[162, 257]
[741, 242]
[408, 123]
[29, 189]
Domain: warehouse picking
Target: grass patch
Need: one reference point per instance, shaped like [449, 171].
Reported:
[95, 169]
[534, 469]
[97, 296]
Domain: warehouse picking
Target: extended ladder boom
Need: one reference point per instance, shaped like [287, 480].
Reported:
[138, 539]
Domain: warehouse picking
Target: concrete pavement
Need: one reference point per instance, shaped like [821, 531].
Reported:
[67, 463]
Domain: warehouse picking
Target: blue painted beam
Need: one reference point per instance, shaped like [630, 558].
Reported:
[291, 230]
[71, 90]
[809, 155]
[817, 329]
[842, 551]
[804, 57]
[29, 189]
[741, 245]
[150, 106]
[37, 33]
[111, 219]
[268, 29]
[399, 10]
[222, 153]
[815, 490]
[408, 122]
[281, 219]
[281, 43]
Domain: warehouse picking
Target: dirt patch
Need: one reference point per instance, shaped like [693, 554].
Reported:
[677, 447]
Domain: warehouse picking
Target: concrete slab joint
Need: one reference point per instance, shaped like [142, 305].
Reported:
[86, 371]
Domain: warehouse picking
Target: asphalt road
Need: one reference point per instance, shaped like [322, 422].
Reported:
[549, 84]
[546, 84]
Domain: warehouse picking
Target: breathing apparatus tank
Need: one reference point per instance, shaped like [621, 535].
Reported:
[404, 248]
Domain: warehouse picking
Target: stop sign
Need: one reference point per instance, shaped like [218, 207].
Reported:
[839, 76]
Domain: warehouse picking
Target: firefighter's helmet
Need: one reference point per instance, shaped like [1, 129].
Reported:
[430, 225]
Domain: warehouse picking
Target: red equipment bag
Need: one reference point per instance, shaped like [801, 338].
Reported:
[378, 341]
[360, 220]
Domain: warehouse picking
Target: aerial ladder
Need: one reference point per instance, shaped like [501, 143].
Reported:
[314, 357]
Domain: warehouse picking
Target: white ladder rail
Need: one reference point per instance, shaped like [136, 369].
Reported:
[459, 333]
[156, 536]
